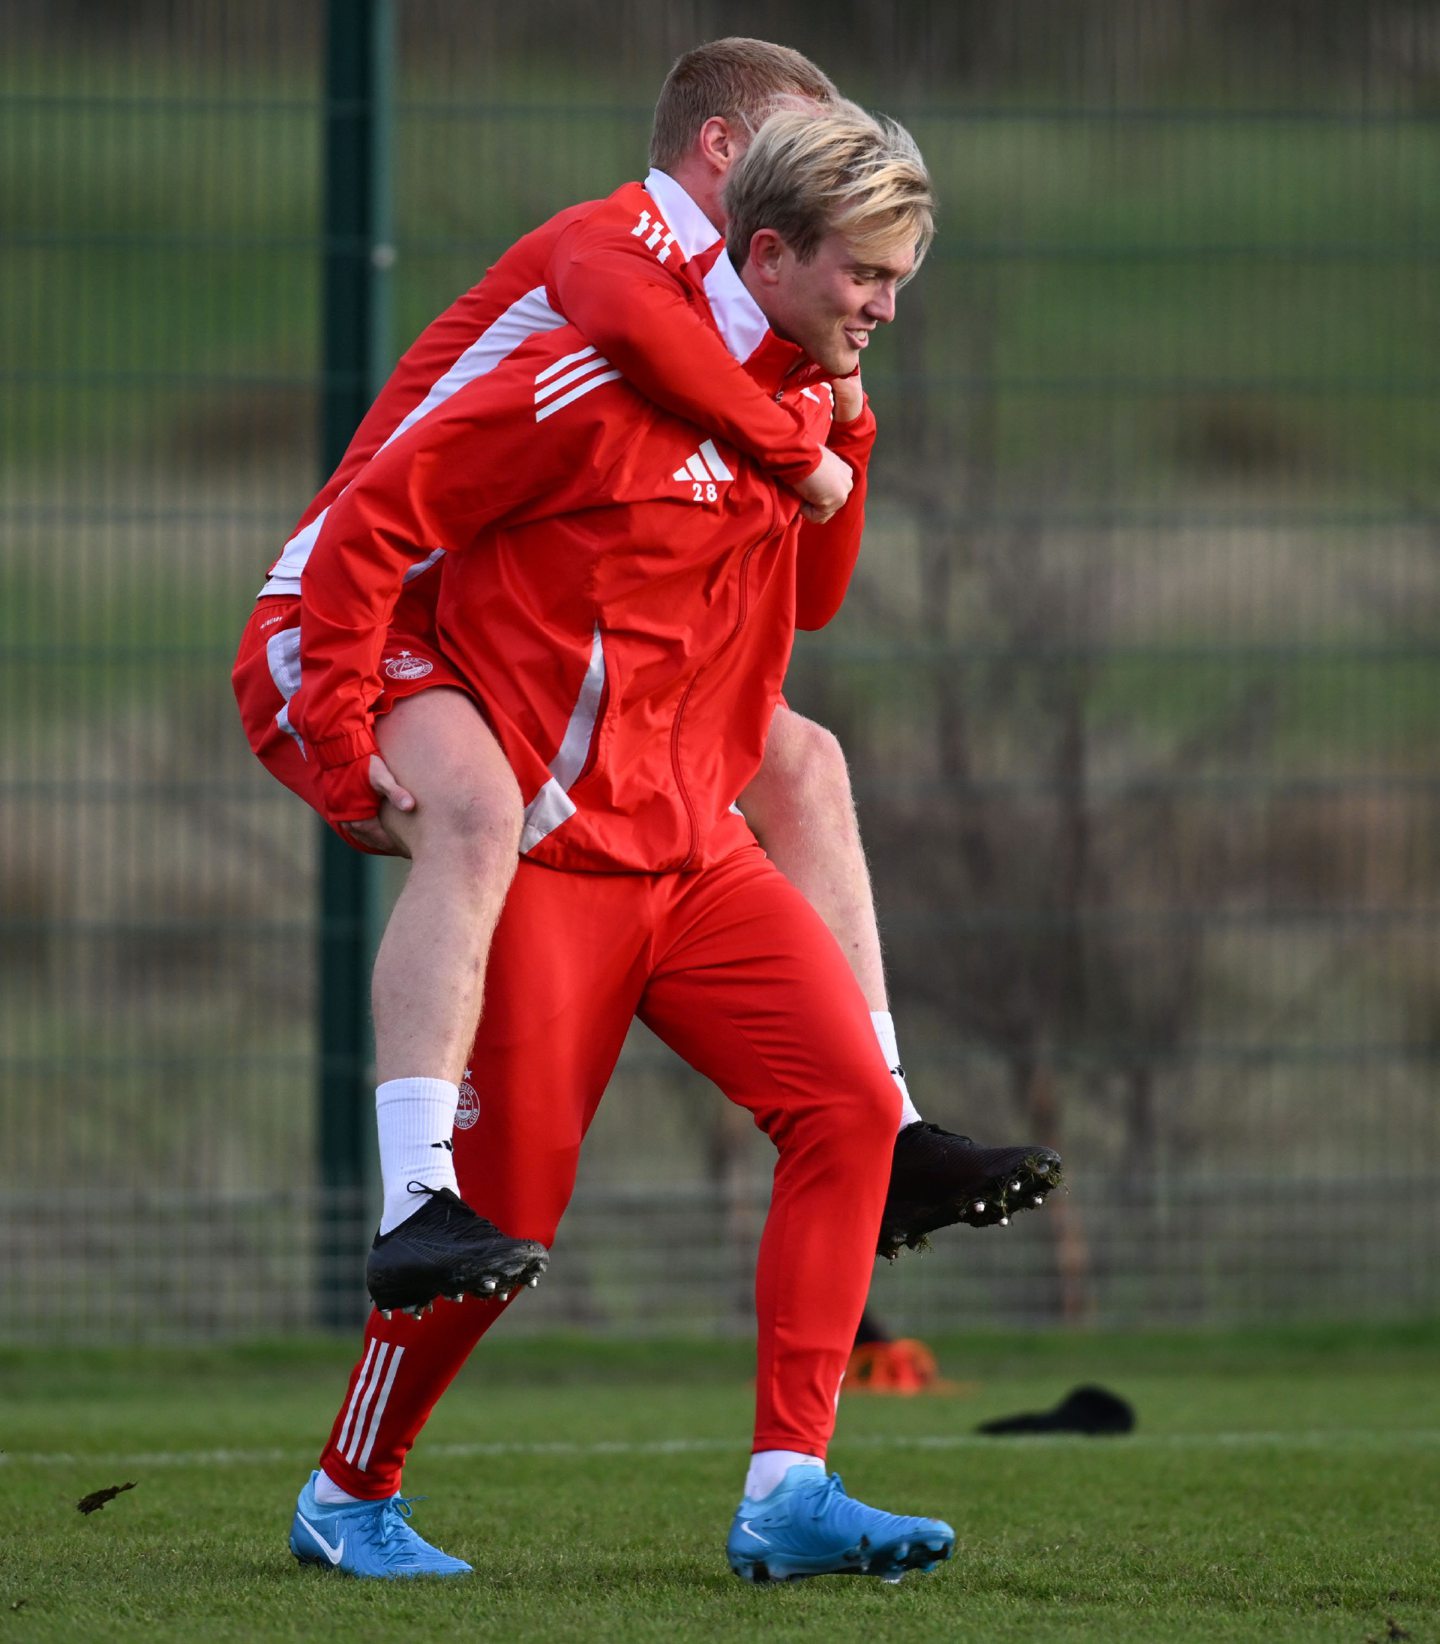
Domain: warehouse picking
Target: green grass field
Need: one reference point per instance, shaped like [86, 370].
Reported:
[1277, 1487]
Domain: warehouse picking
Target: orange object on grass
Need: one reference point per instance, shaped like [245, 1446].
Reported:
[900, 1368]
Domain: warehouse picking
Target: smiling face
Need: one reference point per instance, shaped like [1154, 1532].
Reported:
[830, 303]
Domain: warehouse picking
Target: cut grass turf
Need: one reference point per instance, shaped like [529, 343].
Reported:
[1277, 1487]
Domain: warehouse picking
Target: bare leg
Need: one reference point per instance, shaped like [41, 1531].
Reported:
[461, 839]
[803, 812]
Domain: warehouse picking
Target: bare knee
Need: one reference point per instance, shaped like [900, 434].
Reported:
[804, 769]
[805, 754]
[474, 830]
[468, 810]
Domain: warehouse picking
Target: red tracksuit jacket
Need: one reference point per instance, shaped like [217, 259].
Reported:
[636, 288]
[623, 244]
[625, 624]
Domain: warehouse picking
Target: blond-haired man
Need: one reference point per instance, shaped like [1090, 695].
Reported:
[639, 295]
[625, 590]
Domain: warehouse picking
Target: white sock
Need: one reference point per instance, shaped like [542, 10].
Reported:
[414, 1118]
[769, 1467]
[884, 1026]
[328, 1493]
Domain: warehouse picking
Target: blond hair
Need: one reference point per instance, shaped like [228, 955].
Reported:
[736, 79]
[808, 175]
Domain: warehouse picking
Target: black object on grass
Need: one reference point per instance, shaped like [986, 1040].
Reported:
[97, 1498]
[1091, 1410]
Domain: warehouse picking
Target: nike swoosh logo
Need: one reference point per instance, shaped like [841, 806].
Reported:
[749, 1532]
[334, 1554]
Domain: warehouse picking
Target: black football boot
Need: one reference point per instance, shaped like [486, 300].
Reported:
[445, 1249]
[938, 1179]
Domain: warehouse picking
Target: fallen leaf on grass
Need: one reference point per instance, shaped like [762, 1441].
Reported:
[97, 1498]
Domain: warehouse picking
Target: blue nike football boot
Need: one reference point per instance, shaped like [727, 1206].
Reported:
[808, 1526]
[366, 1538]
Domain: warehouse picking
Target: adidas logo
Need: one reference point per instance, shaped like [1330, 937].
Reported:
[704, 469]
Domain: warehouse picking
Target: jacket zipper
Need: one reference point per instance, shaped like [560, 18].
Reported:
[715, 656]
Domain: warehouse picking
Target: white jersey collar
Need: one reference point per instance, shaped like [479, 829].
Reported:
[693, 230]
[742, 326]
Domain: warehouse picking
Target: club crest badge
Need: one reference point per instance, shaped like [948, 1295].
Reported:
[407, 666]
[467, 1113]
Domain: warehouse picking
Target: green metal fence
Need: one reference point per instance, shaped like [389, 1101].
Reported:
[1139, 681]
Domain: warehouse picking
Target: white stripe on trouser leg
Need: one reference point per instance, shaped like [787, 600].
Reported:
[282, 656]
[383, 1400]
[363, 1408]
[355, 1397]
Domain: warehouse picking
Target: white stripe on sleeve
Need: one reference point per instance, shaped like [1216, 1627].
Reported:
[575, 393]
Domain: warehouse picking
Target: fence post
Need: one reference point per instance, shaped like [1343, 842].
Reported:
[357, 256]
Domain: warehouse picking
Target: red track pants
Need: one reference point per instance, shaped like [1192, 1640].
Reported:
[735, 971]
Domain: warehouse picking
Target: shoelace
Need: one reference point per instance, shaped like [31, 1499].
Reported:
[457, 1210]
[826, 1494]
[395, 1514]
[833, 1487]
[939, 1130]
